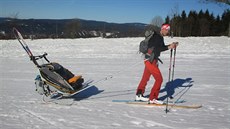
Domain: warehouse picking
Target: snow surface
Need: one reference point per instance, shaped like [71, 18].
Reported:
[202, 72]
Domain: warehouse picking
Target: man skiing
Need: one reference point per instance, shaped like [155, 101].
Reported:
[155, 46]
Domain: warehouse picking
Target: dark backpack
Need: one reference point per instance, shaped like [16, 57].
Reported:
[143, 47]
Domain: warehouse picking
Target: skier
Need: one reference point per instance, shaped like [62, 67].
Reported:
[155, 46]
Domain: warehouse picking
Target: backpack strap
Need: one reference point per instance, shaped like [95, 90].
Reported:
[160, 60]
[149, 34]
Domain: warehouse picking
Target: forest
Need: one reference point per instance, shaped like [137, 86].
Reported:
[202, 23]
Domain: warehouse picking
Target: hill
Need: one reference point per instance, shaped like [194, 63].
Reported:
[69, 28]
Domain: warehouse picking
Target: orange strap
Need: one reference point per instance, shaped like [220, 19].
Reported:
[74, 79]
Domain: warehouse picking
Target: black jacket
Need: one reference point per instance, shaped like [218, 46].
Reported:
[156, 43]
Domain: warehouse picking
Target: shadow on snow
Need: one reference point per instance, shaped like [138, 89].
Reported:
[91, 91]
[182, 84]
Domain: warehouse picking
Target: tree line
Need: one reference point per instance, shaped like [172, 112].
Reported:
[202, 23]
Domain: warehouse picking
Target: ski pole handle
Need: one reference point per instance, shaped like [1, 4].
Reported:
[175, 44]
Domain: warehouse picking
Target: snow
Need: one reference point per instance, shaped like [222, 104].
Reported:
[116, 68]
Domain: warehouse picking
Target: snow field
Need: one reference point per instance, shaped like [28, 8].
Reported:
[116, 68]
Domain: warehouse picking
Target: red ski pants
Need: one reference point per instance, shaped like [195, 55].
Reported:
[151, 69]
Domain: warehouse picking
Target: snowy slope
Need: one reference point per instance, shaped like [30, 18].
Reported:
[116, 68]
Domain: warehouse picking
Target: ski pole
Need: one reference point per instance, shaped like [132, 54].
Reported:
[170, 64]
[174, 58]
[173, 67]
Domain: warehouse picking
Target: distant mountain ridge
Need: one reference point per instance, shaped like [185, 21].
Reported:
[71, 28]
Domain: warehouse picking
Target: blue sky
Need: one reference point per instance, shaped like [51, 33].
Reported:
[118, 11]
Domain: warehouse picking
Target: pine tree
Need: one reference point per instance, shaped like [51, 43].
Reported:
[226, 22]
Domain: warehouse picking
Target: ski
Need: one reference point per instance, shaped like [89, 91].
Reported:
[126, 100]
[84, 87]
[173, 105]
[60, 95]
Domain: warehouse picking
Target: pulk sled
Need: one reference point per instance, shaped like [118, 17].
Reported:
[53, 78]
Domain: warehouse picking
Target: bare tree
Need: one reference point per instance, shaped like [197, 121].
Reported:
[174, 14]
[14, 15]
[157, 21]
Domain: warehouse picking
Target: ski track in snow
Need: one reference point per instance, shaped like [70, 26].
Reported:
[202, 73]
